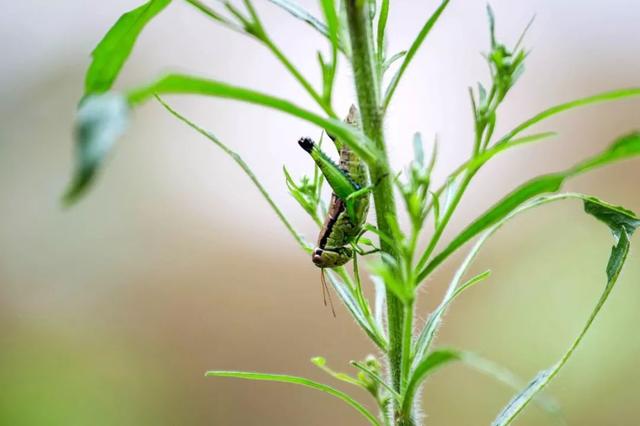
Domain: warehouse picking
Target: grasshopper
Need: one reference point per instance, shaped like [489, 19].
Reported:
[347, 212]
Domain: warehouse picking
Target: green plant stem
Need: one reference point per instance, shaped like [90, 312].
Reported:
[258, 31]
[368, 90]
[407, 341]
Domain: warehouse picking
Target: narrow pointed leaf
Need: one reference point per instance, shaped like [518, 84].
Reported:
[387, 64]
[625, 147]
[112, 52]
[281, 378]
[245, 168]
[106, 114]
[431, 363]
[426, 336]
[424, 32]
[185, 84]
[382, 26]
[508, 378]
[329, 10]
[350, 302]
[525, 192]
[299, 12]
[550, 112]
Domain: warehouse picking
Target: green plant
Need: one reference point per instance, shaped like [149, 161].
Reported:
[356, 33]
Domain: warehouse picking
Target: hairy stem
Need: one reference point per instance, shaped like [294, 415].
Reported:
[368, 91]
[407, 339]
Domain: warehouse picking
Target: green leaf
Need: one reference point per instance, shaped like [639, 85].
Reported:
[376, 378]
[113, 50]
[615, 217]
[382, 26]
[206, 10]
[245, 168]
[595, 99]
[426, 337]
[299, 12]
[387, 64]
[281, 378]
[532, 188]
[367, 324]
[521, 400]
[100, 121]
[379, 301]
[321, 363]
[508, 378]
[620, 221]
[432, 362]
[486, 155]
[624, 147]
[517, 404]
[185, 84]
[330, 14]
[426, 28]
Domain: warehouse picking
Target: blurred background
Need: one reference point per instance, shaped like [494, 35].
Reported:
[111, 311]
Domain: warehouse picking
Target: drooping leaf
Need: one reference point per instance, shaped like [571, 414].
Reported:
[185, 84]
[616, 217]
[113, 50]
[100, 121]
[621, 221]
[104, 120]
[281, 378]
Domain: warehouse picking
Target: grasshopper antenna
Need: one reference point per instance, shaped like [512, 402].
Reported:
[326, 294]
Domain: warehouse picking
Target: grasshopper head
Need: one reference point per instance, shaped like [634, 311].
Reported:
[331, 258]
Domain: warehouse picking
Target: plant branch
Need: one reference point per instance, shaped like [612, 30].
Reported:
[368, 90]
